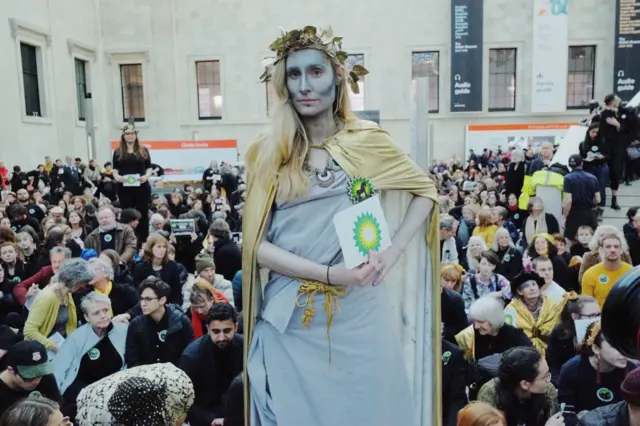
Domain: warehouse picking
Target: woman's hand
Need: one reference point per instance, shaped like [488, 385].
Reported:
[33, 290]
[55, 348]
[362, 275]
[143, 178]
[386, 260]
[555, 420]
[123, 318]
[121, 179]
[194, 236]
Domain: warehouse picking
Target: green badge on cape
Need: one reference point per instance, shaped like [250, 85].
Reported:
[360, 189]
[94, 354]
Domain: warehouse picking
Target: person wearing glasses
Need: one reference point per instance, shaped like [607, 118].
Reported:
[35, 411]
[523, 390]
[28, 373]
[563, 341]
[162, 332]
[132, 170]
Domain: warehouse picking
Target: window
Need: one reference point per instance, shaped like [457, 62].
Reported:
[209, 90]
[30, 79]
[81, 87]
[502, 79]
[357, 100]
[582, 69]
[132, 92]
[427, 65]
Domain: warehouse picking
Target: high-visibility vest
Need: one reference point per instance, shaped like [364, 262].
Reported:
[546, 177]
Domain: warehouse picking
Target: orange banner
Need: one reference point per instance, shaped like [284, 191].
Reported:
[206, 144]
[498, 127]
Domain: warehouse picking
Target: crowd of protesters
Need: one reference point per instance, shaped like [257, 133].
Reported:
[102, 314]
[105, 308]
[522, 288]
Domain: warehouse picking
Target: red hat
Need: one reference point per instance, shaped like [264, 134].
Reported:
[630, 388]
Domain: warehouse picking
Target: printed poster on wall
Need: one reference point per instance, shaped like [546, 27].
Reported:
[466, 55]
[550, 55]
[627, 49]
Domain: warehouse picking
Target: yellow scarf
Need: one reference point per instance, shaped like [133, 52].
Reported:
[362, 149]
[538, 331]
[107, 292]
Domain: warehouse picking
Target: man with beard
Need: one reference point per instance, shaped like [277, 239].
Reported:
[21, 218]
[212, 362]
[598, 280]
[28, 373]
[34, 210]
[112, 235]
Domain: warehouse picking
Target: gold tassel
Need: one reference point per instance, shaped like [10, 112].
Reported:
[307, 292]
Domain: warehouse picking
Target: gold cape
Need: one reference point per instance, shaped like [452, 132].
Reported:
[466, 340]
[537, 331]
[362, 149]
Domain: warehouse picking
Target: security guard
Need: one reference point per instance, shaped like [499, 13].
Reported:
[581, 196]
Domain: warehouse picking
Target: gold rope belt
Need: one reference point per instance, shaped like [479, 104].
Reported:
[307, 292]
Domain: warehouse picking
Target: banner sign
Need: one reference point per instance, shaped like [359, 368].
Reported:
[522, 136]
[627, 49]
[466, 55]
[550, 56]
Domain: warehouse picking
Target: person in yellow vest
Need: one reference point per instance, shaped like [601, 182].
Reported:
[598, 280]
[532, 312]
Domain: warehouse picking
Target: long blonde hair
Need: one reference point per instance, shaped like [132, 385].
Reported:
[281, 152]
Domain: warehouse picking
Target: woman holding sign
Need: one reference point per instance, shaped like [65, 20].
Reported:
[332, 324]
[132, 169]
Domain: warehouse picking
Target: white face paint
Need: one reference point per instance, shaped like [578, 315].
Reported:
[311, 82]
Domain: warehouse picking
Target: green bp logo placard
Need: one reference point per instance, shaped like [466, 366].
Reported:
[131, 180]
[367, 233]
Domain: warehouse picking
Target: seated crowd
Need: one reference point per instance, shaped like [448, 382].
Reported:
[99, 318]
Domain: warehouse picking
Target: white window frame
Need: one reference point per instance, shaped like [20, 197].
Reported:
[117, 58]
[41, 39]
[194, 114]
[85, 53]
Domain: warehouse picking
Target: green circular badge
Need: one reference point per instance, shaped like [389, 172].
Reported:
[446, 357]
[604, 279]
[32, 211]
[162, 336]
[507, 257]
[108, 238]
[367, 234]
[94, 354]
[516, 216]
[594, 148]
[16, 279]
[35, 394]
[360, 189]
[604, 395]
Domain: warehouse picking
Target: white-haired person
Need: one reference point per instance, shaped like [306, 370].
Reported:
[593, 257]
[477, 246]
[488, 335]
[92, 352]
[510, 258]
[124, 298]
[53, 313]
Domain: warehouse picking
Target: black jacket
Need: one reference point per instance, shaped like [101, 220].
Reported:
[139, 342]
[454, 317]
[609, 415]
[561, 349]
[634, 247]
[211, 370]
[227, 257]
[170, 274]
[510, 263]
[234, 409]
[454, 385]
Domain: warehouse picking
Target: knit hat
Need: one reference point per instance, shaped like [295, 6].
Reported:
[630, 388]
[138, 401]
[148, 395]
[204, 263]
